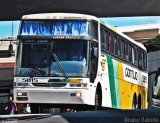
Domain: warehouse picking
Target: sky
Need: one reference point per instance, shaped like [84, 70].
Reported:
[6, 27]
[127, 21]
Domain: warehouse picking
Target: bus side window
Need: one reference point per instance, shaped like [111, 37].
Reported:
[135, 56]
[130, 54]
[102, 39]
[123, 50]
[141, 59]
[119, 48]
[145, 61]
[106, 40]
[126, 52]
[115, 46]
[110, 46]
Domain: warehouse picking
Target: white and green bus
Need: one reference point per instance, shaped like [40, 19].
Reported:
[71, 60]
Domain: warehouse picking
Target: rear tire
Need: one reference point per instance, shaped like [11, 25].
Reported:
[134, 103]
[139, 102]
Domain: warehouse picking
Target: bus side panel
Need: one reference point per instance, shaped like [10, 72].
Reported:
[117, 83]
[122, 87]
[129, 87]
[106, 94]
[112, 82]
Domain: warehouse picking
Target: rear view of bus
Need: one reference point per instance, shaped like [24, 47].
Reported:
[56, 60]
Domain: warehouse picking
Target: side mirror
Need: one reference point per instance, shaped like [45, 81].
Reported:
[11, 51]
[16, 42]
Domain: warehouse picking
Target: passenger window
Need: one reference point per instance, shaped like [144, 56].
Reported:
[115, 46]
[110, 46]
[126, 52]
[102, 40]
[119, 48]
[135, 56]
[130, 54]
[145, 61]
[106, 40]
[123, 50]
[141, 60]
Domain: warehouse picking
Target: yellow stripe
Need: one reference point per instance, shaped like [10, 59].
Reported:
[122, 86]
[128, 89]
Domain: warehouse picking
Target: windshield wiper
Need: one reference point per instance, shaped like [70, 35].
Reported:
[60, 66]
[37, 71]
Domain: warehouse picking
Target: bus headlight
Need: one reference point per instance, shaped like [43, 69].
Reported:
[77, 94]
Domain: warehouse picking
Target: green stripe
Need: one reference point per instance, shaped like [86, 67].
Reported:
[117, 83]
[112, 82]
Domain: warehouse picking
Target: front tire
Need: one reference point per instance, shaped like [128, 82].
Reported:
[98, 99]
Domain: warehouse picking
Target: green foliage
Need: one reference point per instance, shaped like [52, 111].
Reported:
[153, 44]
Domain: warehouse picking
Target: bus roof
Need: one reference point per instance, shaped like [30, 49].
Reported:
[50, 16]
[133, 41]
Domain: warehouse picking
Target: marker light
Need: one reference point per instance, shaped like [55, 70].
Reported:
[75, 81]
[85, 85]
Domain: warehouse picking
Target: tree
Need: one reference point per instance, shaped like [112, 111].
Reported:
[153, 44]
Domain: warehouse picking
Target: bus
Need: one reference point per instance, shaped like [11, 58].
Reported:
[75, 60]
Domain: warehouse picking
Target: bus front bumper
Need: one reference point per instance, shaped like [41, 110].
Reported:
[50, 96]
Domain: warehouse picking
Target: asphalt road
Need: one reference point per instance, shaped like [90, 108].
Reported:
[103, 116]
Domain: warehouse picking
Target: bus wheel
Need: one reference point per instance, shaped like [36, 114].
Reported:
[139, 102]
[98, 98]
[134, 103]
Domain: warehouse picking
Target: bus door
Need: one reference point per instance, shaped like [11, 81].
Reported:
[93, 61]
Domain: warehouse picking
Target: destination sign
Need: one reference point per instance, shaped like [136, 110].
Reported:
[53, 28]
[66, 37]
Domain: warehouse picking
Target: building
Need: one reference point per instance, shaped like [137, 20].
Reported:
[141, 33]
[6, 70]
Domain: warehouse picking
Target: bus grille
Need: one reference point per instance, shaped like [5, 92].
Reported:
[49, 84]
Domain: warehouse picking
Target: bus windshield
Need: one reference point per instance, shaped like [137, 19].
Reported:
[37, 58]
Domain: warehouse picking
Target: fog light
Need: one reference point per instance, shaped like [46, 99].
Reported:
[21, 94]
